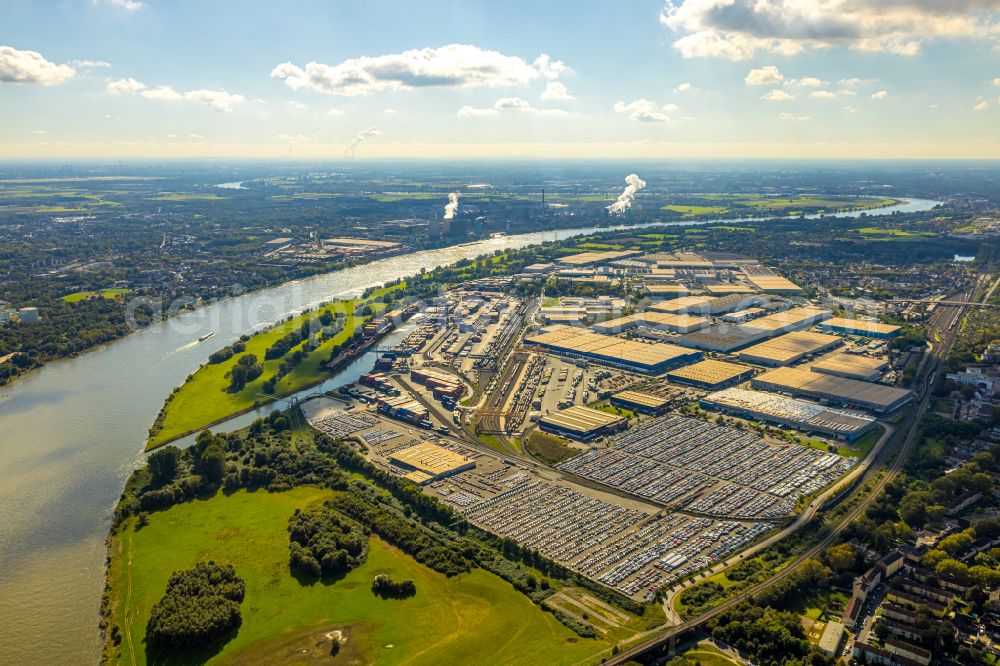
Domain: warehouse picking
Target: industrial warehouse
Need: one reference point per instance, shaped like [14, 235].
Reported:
[676, 323]
[711, 374]
[848, 392]
[648, 358]
[789, 348]
[638, 401]
[727, 338]
[784, 411]
[852, 366]
[430, 462]
[867, 329]
[581, 423]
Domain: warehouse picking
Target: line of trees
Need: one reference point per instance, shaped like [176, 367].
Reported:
[387, 588]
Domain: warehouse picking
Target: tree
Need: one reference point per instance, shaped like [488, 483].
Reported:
[841, 557]
[200, 606]
[950, 568]
[213, 463]
[163, 464]
[238, 377]
[955, 543]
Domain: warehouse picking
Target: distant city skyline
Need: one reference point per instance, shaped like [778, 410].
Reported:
[649, 79]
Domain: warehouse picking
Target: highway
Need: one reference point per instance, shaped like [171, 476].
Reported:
[890, 456]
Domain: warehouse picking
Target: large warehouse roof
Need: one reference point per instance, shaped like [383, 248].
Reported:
[430, 459]
[799, 413]
[774, 284]
[860, 326]
[581, 421]
[645, 356]
[877, 397]
[590, 258]
[851, 365]
[710, 373]
[788, 348]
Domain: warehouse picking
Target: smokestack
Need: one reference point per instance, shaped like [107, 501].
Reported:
[452, 206]
[359, 139]
[632, 185]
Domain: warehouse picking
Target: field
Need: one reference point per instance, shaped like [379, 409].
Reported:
[691, 211]
[474, 618]
[107, 293]
[204, 398]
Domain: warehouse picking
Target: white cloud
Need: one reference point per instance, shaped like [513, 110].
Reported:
[764, 76]
[847, 92]
[807, 82]
[684, 88]
[778, 95]
[822, 94]
[39, 132]
[127, 5]
[645, 111]
[196, 137]
[30, 67]
[89, 64]
[509, 104]
[850, 109]
[162, 93]
[881, 94]
[549, 68]
[389, 112]
[296, 106]
[982, 106]
[124, 86]
[474, 112]
[336, 113]
[454, 65]
[220, 100]
[792, 116]
[738, 29]
[557, 92]
[996, 81]
[856, 82]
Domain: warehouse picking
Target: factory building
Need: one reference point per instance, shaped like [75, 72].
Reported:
[647, 358]
[708, 305]
[852, 366]
[789, 348]
[774, 284]
[726, 338]
[781, 410]
[439, 383]
[868, 329]
[675, 323]
[403, 407]
[639, 402]
[428, 462]
[728, 288]
[711, 374]
[667, 291]
[582, 423]
[838, 390]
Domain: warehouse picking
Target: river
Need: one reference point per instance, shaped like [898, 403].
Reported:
[72, 431]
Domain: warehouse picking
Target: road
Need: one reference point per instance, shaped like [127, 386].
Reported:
[943, 324]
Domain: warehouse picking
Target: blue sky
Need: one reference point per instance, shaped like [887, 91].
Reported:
[645, 78]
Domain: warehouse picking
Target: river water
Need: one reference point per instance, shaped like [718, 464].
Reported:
[71, 433]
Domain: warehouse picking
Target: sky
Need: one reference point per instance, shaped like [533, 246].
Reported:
[667, 79]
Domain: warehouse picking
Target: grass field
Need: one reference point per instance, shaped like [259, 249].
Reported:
[474, 618]
[107, 293]
[204, 398]
[186, 196]
[691, 211]
[707, 654]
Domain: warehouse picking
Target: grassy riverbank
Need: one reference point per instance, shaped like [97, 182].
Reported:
[205, 398]
[473, 618]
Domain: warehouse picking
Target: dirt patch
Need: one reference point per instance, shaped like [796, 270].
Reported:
[330, 646]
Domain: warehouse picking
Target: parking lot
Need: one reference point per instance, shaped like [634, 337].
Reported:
[685, 463]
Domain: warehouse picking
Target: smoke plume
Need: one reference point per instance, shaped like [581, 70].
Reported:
[452, 206]
[361, 137]
[632, 185]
